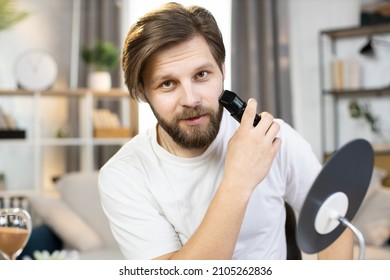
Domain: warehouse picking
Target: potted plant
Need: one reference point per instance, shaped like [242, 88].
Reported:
[102, 57]
[357, 110]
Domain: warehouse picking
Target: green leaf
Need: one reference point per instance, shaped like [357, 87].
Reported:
[9, 15]
[102, 56]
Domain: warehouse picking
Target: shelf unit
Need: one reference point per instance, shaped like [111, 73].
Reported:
[330, 98]
[44, 148]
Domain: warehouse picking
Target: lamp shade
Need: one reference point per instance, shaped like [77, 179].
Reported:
[368, 49]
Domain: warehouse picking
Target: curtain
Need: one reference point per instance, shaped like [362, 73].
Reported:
[93, 20]
[260, 62]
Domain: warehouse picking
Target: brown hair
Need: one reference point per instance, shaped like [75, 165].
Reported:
[169, 25]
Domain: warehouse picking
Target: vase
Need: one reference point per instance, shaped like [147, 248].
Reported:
[99, 80]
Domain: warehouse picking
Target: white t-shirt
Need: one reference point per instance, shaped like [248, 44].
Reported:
[155, 200]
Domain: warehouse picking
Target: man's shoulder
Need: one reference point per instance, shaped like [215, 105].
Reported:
[137, 148]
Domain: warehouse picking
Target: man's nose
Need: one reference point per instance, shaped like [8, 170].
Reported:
[190, 96]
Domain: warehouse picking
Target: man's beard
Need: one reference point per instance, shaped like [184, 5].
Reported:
[193, 137]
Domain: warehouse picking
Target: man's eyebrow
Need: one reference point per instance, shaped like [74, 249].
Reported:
[159, 78]
[205, 66]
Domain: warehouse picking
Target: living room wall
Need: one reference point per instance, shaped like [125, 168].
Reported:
[48, 27]
[307, 19]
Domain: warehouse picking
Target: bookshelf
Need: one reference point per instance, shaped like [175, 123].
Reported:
[31, 164]
[333, 97]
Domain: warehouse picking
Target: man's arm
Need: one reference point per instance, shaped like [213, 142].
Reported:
[341, 249]
[217, 234]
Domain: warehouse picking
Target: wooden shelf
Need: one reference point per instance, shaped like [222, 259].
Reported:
[356, 31]
[114, 93]
[359, 92]
[330, 111]
[41, 144]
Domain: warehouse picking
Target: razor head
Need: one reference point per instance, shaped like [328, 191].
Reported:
[232, 102]
[235, 105]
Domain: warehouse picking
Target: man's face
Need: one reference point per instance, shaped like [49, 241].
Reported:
[182, 85]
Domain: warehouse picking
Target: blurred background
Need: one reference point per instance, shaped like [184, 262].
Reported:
[281, 52]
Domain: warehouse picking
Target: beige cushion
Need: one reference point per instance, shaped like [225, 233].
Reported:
[67, 224]
[373, 217]
[378, 175]
[80, 191]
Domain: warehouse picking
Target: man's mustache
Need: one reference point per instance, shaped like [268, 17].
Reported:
[190, 113]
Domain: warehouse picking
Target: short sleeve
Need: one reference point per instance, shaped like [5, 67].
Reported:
[137, 222]
[300, 164]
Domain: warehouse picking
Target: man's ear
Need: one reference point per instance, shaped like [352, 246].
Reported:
[141, 93]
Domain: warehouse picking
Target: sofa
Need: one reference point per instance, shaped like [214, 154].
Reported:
[373, 217]
[73, 221]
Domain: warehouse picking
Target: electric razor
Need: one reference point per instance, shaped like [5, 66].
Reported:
[235, 105]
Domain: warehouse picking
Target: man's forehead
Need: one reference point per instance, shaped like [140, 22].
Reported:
[190, 55]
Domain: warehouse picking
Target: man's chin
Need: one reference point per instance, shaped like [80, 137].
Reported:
[196, 139]
[194, 130]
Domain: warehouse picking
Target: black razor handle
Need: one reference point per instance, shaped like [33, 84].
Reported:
[235, 105]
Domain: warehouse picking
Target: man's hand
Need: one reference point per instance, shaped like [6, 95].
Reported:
[251, 150]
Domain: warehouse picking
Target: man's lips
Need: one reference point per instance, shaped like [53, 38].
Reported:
[195, 120]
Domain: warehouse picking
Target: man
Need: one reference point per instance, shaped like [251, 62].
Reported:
[200, 185]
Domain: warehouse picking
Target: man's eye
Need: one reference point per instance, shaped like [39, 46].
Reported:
[202, 74]
[167, 84]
